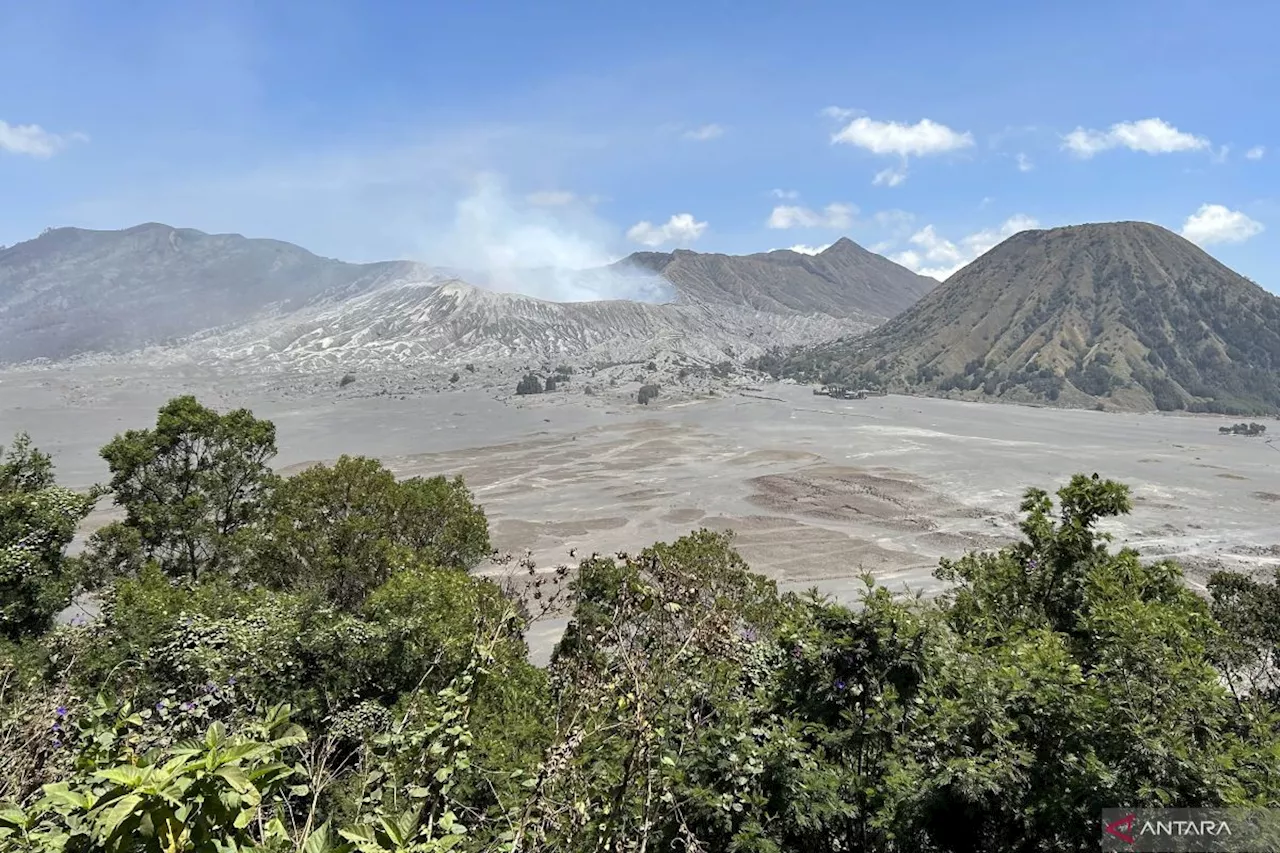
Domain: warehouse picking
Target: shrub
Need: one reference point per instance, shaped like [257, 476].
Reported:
[530, 384]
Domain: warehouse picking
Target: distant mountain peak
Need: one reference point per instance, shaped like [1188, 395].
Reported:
[844, 244]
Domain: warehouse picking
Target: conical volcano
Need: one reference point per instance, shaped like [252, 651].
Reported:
[1125, 315]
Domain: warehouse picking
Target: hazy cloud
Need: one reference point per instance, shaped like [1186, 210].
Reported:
[1256, 152]
[839, 113]
[937, 257]
[680, 228]
[835, 215]
[1149, 135]
[890, 177]
[1024, 162]
[33, 140]
[551, 198]
[704, 133]
[790, 194]
[1215, 223]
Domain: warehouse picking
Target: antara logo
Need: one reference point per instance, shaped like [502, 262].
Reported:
[1129, 829]
[1122, 828]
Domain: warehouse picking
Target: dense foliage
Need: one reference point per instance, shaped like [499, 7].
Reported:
[328, 676]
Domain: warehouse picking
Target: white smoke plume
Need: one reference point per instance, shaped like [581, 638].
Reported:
[560, 252]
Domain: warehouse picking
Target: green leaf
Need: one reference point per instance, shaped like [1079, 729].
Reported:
[127, 775]
[236, 778]
[118, 812]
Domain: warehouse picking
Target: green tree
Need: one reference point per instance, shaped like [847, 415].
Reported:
[343, 530]
[23, 468]
[38, 520]
[188, 485]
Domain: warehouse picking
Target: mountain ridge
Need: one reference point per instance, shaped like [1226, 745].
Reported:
[842, 275]
[77, 292]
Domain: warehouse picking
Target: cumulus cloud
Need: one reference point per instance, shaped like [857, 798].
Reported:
[1148, 135]
[34, 141]
[680, 228]
[835, 215]
[704, 133]
[1215, 223]
[1256, 152]
[937, 257]
[551, 198]
[921, 139]
[806, 250]
[890, 177]
[784, 193]
[1024, 163]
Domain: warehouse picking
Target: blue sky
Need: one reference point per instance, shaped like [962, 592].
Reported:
[499, 133]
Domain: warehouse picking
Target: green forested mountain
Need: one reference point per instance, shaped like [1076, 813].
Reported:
[1125, 314]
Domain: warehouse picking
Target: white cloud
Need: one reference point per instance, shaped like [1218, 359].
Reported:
[680, 228]
[1149, 135]
[1256, 152]
[1024, 163]
[704, 133]
[939, 258]
[551, 198]
[921, 139]
[33, 140]
[890, 177]
[806, 250]
[834, 215]
[1215, 223]
[784, 194]
[839, 113]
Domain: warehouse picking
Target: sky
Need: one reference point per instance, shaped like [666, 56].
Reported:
[478, 133]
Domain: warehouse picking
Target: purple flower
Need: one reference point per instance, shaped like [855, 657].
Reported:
[57, 744]
[57, 727]
[160, 705]
[188, 706]
[231, 681]
[61, 711]
[839, 684]
[749, 634]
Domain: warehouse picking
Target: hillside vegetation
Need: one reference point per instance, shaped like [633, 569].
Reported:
[306, 664]
[1124, 315]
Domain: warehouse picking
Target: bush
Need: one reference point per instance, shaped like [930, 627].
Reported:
[530, 384]
[647, 393]
[346, 380]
